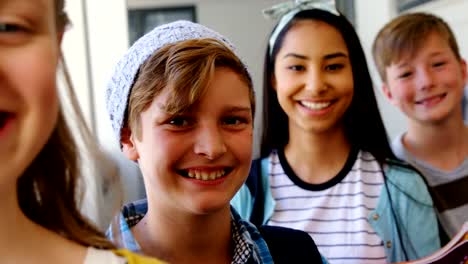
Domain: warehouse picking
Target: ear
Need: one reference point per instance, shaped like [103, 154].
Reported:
[464, 73]
[128, 145]
[60, 37]
[388, 93]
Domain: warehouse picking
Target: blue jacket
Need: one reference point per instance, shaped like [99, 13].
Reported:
[410, 228]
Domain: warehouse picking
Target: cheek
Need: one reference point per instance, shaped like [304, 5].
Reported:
[158, 147]
[34, 71]
[241, 145]
[402, 91]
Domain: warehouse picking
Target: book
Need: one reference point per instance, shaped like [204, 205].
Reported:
[455, 252]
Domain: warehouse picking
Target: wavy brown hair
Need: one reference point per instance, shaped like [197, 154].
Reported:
[49, 191]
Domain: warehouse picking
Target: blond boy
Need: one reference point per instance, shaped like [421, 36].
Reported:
[424, 75]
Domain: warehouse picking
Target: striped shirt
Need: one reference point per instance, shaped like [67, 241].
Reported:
[448, 188]
[334, 213]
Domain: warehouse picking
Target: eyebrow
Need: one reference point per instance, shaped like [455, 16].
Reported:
[29, 5]
[25, 7]
[238, 109]
[326, 57]
[433, 54]
[230, 109]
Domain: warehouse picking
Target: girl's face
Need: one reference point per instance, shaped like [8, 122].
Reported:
[195, 162]
[313, 77]
[29, 53]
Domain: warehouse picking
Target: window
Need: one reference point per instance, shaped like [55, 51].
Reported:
[407, 4]
[141, 21]
[346, 7]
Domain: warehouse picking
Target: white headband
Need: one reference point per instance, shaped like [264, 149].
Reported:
[286, 11]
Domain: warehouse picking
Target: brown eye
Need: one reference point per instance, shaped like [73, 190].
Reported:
[296, 68]
[334, 67]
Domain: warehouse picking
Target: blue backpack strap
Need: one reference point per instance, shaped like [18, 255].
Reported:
[254, 184]
[289, 245]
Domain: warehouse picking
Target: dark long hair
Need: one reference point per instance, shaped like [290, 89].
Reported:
[363, 125]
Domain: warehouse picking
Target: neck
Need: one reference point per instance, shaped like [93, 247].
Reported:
[443, 145]
[317, 157]
[181, 237]
[23, 241]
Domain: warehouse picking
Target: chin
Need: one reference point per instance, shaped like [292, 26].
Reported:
[210, 207]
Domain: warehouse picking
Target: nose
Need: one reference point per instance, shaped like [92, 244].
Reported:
[315, 82]
[425, 79]
[210, 142]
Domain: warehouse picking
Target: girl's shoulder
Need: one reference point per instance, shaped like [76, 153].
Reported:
[120, 256]
[133, 258]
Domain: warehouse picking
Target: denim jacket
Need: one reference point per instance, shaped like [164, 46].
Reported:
[404, 212]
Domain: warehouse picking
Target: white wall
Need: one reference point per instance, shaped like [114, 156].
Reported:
[240, 21]
[99, 38]
[74, 49]
[93, 48]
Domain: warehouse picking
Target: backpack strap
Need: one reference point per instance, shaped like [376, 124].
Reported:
[255, 186]
[289, 245]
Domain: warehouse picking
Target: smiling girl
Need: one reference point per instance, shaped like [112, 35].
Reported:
[40, 164]
[326, 165]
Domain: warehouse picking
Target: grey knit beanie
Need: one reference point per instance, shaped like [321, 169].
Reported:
[123, 77]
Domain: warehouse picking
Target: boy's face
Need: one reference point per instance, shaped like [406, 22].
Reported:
[428, 86]
[194, 163]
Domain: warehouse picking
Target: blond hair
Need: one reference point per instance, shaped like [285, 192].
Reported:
[184, 67]
[405, 35]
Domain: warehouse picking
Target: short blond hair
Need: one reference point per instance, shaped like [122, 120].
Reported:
[184, 67]
[407, 34]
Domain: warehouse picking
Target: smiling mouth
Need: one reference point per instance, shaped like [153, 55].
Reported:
[4, 118]
[432, 99]
[316, 105]
[205, 175]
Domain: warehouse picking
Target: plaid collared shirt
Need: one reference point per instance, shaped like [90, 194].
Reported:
[249, 246]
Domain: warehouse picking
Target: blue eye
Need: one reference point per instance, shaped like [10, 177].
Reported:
[236, 122]
[233, 120]
[10, 28]
[179, 121]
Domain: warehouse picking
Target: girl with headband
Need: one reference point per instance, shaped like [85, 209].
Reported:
[326, 166]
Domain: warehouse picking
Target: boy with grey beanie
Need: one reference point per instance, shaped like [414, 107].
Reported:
[182, 103]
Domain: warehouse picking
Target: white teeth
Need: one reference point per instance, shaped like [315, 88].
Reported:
[206, 176]
[315, 106]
